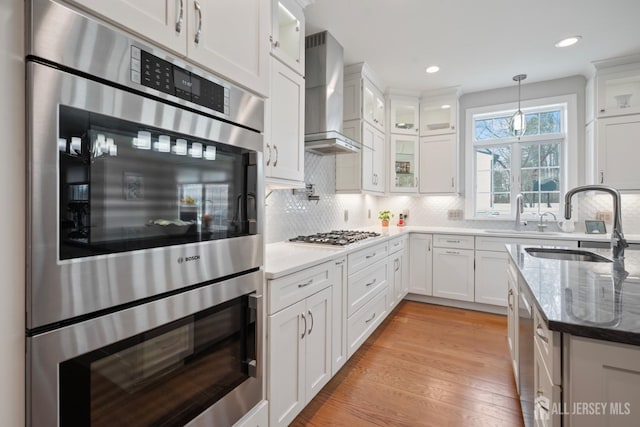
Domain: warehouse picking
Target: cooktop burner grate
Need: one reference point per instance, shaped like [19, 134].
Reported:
[335, 237]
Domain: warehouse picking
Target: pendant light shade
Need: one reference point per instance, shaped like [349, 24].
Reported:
[518, 124]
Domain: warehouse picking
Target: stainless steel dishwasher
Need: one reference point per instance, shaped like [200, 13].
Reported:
[525, 351]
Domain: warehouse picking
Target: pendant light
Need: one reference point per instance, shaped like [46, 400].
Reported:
[518, 125]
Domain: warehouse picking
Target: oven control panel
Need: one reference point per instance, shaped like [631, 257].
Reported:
[151, 71]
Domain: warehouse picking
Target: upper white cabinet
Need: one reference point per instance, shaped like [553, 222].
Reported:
[617, 152]
[403, 170]
[363, 97]
[364, 112]
[439, 113]
[284, 130]
[287, 34]
[404, 115]
[229, 38]
[618, 90]
[439, 164]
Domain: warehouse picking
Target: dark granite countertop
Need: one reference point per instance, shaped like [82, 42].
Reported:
[599, 300]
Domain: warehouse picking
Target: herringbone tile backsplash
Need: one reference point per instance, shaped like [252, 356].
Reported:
[289, 214]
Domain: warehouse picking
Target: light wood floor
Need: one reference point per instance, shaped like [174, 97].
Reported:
[426, 365]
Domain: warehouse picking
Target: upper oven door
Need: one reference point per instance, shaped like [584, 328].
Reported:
[130, 197]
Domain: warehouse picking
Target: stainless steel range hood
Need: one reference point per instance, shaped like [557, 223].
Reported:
[323, 104]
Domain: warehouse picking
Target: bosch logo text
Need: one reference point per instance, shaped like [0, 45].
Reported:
[189, 258]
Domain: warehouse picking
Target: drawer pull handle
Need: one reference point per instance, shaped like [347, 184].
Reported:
[371, 283]
[453, 252]
[370, 256]
[310, 317]
[302, 285]
[339, 262]
[453, 241]
[540, 333]
[304, 331]
[541, 402]
[372, 317]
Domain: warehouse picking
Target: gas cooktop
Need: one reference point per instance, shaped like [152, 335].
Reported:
[335, 237]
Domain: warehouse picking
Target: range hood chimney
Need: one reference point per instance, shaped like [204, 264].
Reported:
[323, 104]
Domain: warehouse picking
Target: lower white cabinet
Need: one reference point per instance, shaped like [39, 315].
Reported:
[257, 417]
[420, 264]
[339, 321]
[490, 277]
[453, 276]
[547, 403]
[512, 319]
[397, 267]
[603, 373]
[299, 355]
[366, 320]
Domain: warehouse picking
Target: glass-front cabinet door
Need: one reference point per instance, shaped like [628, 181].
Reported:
[404, 169]
[287, 38]
[404, 115]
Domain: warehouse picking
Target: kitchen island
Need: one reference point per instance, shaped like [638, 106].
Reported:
[584, 321]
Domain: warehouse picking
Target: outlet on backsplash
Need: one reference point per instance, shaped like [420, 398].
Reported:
[455, 214]
[606, 216]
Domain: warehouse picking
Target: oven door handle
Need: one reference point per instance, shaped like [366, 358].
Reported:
[257, 312]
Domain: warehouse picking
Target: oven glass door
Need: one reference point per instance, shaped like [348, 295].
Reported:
[125, 186]
[164, 377]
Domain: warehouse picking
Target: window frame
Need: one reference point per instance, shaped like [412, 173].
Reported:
[568, 153]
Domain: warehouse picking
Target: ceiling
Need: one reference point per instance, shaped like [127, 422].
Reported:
[478, 44]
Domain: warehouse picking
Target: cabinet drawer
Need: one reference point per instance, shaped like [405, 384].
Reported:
[548, 343]
[364, 284]
[453, 241]
[365, 321]
[295, 287]
[366, 257]
[397, 244]
[546, 395]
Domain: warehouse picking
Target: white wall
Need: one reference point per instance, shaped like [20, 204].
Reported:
[12, 214]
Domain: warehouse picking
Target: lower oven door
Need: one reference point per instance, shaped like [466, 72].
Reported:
[191, 358]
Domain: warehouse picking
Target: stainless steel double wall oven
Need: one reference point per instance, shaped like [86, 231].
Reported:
[144, 232]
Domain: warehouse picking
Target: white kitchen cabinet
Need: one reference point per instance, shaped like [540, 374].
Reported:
[339, 320]
[439, 164]
[229, 38]
[617, 152]
[617, 89]
[453, 267]
[363, 99]
[512, 319]
[490, 277]
[299, 355]
[439, 114]
[287, 34]
[403, 167]
[404, 114]
[284, 133]
[421, 264]
[364, 171]
[547, 403]
[397, 265]
[603, 372]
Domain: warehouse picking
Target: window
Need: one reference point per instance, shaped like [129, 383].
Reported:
[536, 164]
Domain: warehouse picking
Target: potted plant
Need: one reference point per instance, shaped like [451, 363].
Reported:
[385, 216]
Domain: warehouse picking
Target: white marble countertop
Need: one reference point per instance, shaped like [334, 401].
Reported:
[282, 258]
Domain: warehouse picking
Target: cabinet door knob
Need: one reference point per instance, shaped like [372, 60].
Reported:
[196, 39]
[180, 16]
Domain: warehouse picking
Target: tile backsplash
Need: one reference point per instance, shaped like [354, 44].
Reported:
[289, 214]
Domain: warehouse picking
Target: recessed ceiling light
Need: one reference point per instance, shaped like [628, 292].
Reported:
[569, 41]
[433, 69]
[445, 106]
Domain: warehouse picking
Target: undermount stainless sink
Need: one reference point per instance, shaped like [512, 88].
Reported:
[566, 254]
